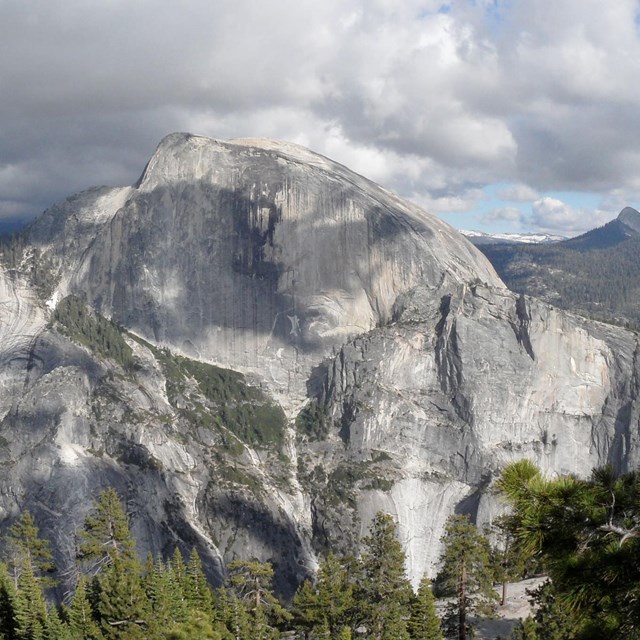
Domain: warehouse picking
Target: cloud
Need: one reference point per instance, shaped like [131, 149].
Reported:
[554, 216]
[464, 201]
[503, 214]
[518, 193]
[431, 103]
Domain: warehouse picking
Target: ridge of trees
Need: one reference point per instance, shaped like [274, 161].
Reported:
[116, 596]
[585, 533]
[597, 281]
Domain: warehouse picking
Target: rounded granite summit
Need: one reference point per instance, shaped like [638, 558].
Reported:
[263, 255]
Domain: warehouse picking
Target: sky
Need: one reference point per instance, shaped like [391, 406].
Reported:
[496, 115]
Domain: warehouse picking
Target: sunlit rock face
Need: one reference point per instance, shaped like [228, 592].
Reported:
[262, 255]
[408, 373]
[453, 392]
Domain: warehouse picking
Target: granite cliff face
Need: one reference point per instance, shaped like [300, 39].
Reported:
[256, 255]
[296, 349]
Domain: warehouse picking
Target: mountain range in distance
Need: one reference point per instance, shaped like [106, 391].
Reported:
[626, 225]
[596, 274]
[480, 238]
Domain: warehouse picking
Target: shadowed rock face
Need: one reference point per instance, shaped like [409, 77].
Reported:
[409, 373]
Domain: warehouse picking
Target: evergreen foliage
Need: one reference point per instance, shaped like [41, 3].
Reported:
[383, 591]
[31, 610]
[93, 331]
[231, 403]
[587, 533]
[123, 607]
[314, 421]
[525, 630]
[466, 576]
[326, 607]
[251, 584]
[79, 615]
[117, 598]
[424, 623]
[10, 606]
[24, 548]
[106, 535]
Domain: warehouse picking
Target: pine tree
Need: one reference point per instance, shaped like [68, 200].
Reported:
[587, 533]
[24, 547]
[198, 593]
[509, 560]
[55, 629]
[345, 634]
[238, 619]
[123, 608]
[383, 593]
[106, 533]
[251, 582]
[32, 610]
[466, 574]
[178, 568]
[165, 592]
[306, 610]
[424, 623]
[327, 603]
[79, 614]
[525, 630]
[10, 606]
[198, 627]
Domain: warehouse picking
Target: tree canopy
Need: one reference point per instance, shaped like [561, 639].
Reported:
[587, 533]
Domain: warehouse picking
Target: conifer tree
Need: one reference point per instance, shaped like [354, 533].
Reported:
[123, 608]
[10, 606]
[509, 560]
[345, 634]
[383, 593]
[24, 546]
[424, 623]
[167, 606]
[55, 629]
[106, 533]
[251, 582]
[238, 620]
[525, 630]
[466, 575]
[198, 627]
[32, 610]
[305, 608]
[178, 568]
[198, 593]
[329, 602]
[79, 615]
[587, 532]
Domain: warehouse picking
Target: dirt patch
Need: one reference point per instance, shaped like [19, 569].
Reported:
[516, 608]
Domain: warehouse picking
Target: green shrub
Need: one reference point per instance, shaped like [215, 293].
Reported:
[313, 421]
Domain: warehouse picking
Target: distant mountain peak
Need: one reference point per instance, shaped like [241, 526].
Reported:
[631, 218]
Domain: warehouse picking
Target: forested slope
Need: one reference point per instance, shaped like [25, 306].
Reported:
[596, 274]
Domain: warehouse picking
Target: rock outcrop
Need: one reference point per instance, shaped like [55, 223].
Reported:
[292, 349]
